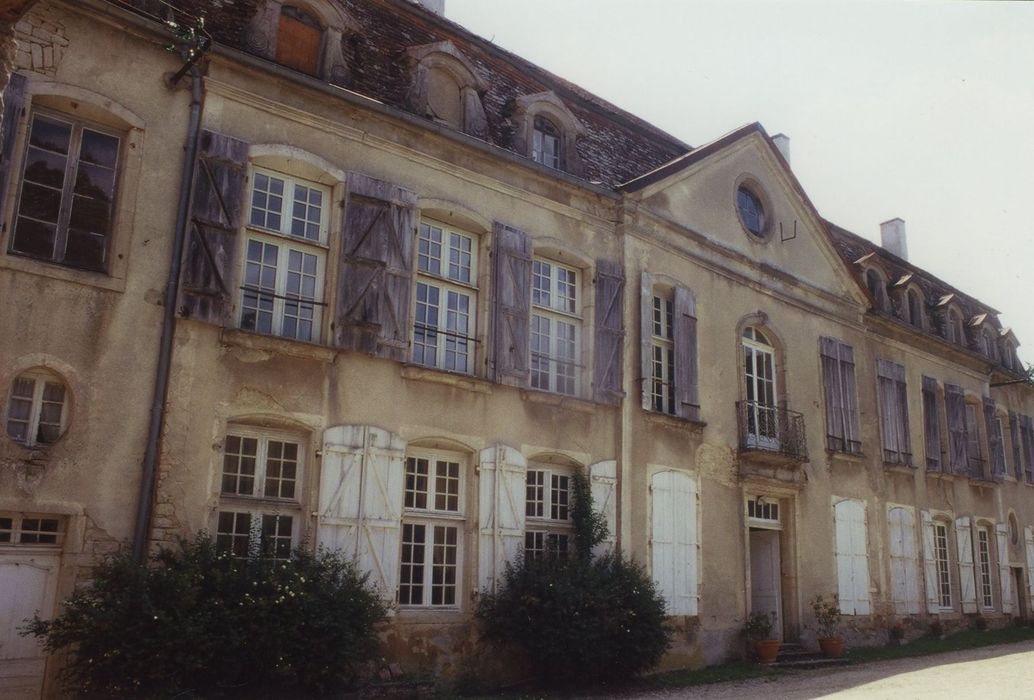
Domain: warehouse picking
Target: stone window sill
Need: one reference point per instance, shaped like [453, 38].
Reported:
[561, 401]
[670, 421]
[42, 268]
[274, 345]
[436, 376]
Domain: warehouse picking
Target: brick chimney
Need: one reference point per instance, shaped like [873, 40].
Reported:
[892, 237]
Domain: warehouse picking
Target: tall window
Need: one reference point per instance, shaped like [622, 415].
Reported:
[65, 207]
[990, 345]
[432, 530]
[940, 548]
[877, 287]
[662, 356]
[842, 431]
[956, 334]
[36, 409]
[893, 398]
[285, 256]
[260, 492]
[298, 40]
[446, 299]
[984, 561]
[760, 376]
[546, 143]
[548, 511]
[915, 308]
[555, 327]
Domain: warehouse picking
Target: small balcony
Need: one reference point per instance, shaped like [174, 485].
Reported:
[771, 435]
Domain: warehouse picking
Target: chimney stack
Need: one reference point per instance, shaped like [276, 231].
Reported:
[435, 6]
[782, 142]
[892, 237]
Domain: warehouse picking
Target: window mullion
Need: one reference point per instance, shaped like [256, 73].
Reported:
[35, 410]
[259, 487]
[67, 194]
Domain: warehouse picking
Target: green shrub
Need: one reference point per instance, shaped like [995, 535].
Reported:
[582, 619]
[197, 620]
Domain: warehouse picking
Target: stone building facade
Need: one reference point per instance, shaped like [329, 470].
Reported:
[422, 283]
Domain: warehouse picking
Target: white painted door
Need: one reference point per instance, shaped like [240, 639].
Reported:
[765, 589]
[28, 583]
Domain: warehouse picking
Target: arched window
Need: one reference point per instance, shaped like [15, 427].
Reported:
[546, 147]
[990, 345]
[760, 377]
[37, 408]
[915, 308]
[877, 287]
[444, 98]
[298, 40]
[956, 332]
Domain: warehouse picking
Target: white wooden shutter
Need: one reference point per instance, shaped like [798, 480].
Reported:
[1028, 538]
[929, 564]
[361, 481]
[1004, 572]
[852, 558]
[502, 477]
[967, 570]
[603, 478]
[904, 574]
[674, 541]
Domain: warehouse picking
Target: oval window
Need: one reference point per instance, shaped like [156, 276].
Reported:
[751, 211]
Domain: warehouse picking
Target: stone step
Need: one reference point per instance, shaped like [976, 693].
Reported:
[819, 661]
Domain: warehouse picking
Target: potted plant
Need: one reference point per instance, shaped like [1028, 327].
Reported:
[759, 631]
[827, 615]
[896, 634]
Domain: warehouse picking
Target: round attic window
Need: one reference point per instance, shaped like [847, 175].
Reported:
[751, 210]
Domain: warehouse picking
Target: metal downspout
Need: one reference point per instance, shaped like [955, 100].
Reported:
[145, 505]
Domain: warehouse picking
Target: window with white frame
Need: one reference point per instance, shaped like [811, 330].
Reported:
[37, 408]
[984, 562]
[555, 327]
[432, 530]
[31, 530]
[66, 201]
[548, 527]
[546, 143]
[940, 550]
[285, 253]
[260, 490]
[662, 355]
[446, 298]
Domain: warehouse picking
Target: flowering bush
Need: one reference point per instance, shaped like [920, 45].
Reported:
[194, 619]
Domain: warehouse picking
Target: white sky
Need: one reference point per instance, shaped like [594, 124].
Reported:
[922, 110]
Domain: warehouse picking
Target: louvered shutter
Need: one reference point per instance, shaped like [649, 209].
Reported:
[852, 430]
[1027, 431]
[684, 338]
[1014, 434]
[955, 407]
[360, 513]
[994, 439]
[931, 425]
[603, 479]
[930, 564]
[646, 338]
[903, 561]
[1004, 572]
[1028, 540]
[374, 286]
[609, 317]
[852, 558]
[502, 479]
[210, 251]
[891, 418]
[967, 570]
[831, 379]
[674, 541]
[14, 107]
[511, 302]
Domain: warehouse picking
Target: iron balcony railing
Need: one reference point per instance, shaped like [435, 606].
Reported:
[771, 429]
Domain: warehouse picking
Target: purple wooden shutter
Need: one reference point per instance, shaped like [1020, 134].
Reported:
[646, 339]
[1014, 434]
[14, 106]
[888, 410]
[684, 338]
[610, 307]
[955, 407]
[374, 286]
[511, 302]
[931, 425]
[994, 440]
[852, 430]
[210, 253]
[1027, 430]
[831, 379]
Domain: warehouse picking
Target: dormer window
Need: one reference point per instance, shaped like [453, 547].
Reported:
[990, 346]
[298, 40]
[446, 87]
[956, 332]
[877, 287]
[546, 143]
[914, 302]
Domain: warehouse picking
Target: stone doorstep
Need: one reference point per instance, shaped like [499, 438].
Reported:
[794, 656]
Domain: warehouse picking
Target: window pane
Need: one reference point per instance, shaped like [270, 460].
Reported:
[425, 336]
[85, 249]
[307, 213]
[457, 322]
[50, 134]
[34, 238]
[443, 574]
[411, 572]
[233, 533]
[99, 149]
[281, 469]
[260, 282]
[447, 486]
[239, 459]
[559, 497]
[40, 202]
[6, 529]
[536, 493]
[429, 250]
[267, 201]
[541, 283]
[417, 473]
[459, 258]
[276, 536]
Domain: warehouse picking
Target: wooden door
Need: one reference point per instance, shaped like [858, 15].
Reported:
[765, 585]
[28, 583]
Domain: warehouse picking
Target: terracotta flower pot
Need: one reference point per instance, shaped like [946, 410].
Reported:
[767, 650]
[832, 647]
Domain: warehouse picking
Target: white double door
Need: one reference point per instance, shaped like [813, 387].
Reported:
[28, 583]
